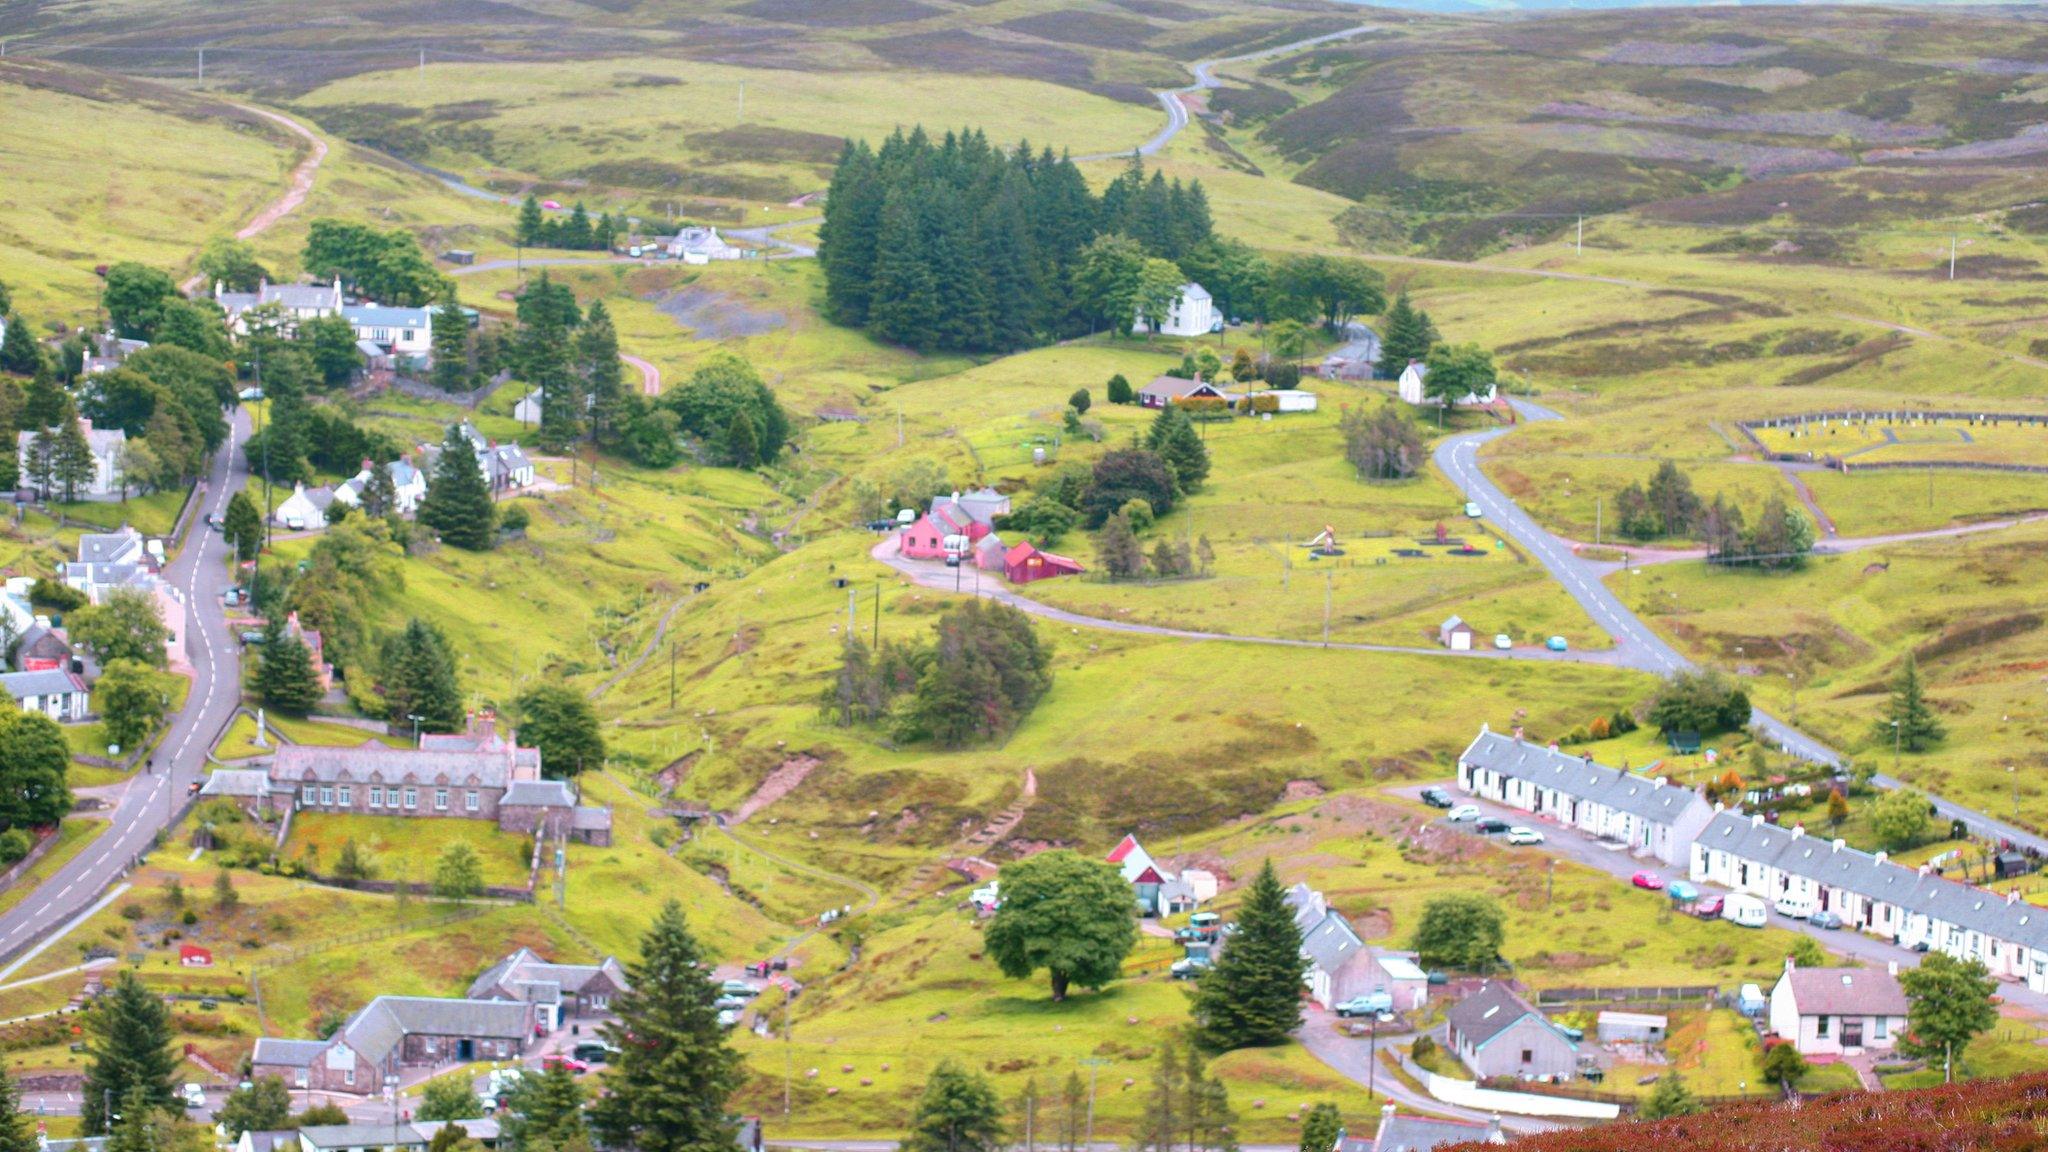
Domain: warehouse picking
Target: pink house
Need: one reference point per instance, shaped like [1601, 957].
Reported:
[926, 538]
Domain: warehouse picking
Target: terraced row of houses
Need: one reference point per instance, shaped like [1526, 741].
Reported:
[1653, 817]
[1913, 907]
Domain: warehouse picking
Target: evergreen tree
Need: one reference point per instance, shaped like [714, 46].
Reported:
[669, 1084]
[1669, 1098]
[46, 404]
[1117, 548]
[544, 1112]
[285, 678]
[742, 447]
[543, 353]
[17, 1131]
[576, 232]
[597, 363]
[530, 219]
[71, 459]
[453, 370]
[958, 1112]
[1406, 335]
[1321, 1128]
[139, 1124]
[19, 352]
[458, 506]
[1253, 994]
[1173, 437]
[225, 898]
[418, 674]
[1908, 721]
[243, 526]
[1118, 389]
[129, 1060]
[380, 493]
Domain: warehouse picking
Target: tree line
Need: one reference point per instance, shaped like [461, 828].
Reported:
[576, 231]
[1780, 538]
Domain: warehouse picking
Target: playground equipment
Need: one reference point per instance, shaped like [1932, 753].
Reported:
[1324, 543]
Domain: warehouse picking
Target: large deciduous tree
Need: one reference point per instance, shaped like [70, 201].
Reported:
[1073, 917]
[1950, 1003]
[1460, 929]
[560, 722]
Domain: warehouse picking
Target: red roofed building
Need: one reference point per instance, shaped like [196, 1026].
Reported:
[1024, 563]
[193, 956]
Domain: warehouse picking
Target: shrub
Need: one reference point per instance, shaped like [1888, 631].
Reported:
[14, 844]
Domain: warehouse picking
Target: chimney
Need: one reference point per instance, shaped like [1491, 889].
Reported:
[1798, 830]
[1756, 820]
[1789, 965]
[1379, 1137]
[1837, 843]
[1518, 733]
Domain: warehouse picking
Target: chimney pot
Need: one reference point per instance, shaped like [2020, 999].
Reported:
[1789, 964]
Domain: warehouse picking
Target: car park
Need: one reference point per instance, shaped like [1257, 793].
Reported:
[1493, 826]
[1463, 812]
[1827, 920]
[1437, 798]
[1368, 1004]
[1521, 835]
[1649, 880]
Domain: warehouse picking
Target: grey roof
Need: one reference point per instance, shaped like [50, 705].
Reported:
[1308, 905]
[1846, 992]
[300, 295]
[287, 1053]
[1652, 800]
[362, 1136]
[1404, 1133]
[384, 316]
[236, 782]
[1331, 943]
[385, 1022]
[539, 794]
[49, 682]
[1489, 1012]
[42, 641]
[283, 1140]
[527, 967]
[591, 819]
[378, 763]
[109, 547]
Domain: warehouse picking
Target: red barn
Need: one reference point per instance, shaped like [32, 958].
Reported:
[1025, 563]
[193, 956]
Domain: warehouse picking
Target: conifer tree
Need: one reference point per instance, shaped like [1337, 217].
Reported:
[1252, 996]
[674, 1073]
[597, 362]
[1406, 335]
[418, 673]
[19, 352]
[285, 678]
[453, 370]
[129, 1060]
[545, 1113]
[958, 1112]
[243, 526]
[530, 221]
[46, 404]
[380, 493]
[1908, 722]
[1321, 1128]
[1173, 436]
[17, 1131]
[71, 459]
[458, 506]
[1118, 389]
[742, 446]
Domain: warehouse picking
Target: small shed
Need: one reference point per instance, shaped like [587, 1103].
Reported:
[1634, 1027]
[1683, 743]
[193, 956]
[1750, 1001]
[1403, 978]
[1455, 634]
[1025, 564]
[1293, 399]
[459, 256]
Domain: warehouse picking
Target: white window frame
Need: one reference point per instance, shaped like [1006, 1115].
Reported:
[440, 799]
[344, 796]
[326, 796]
[376, 796]
[412, 799]
[470, 802]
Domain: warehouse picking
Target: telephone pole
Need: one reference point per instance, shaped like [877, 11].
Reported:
[1951, 256]
[1579, 245]
[1326, 608]
[202, 69]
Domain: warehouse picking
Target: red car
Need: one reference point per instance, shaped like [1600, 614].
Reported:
[1708, 908]
[1650, 880]
[569, 1062]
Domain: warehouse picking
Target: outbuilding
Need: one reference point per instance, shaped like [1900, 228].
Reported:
[1455, 634]
[193, 956]
[1631, 1027]
[1026, 563]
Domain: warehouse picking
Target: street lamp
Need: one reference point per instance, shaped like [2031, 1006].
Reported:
[415, 718]
[1897, 736]
[2012, 774]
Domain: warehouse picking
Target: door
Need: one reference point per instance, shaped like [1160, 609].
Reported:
[465, 1050]
[1852, 1033]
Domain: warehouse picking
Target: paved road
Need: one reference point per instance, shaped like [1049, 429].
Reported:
[199, 574]
[1174, 100]
[1351, 1057]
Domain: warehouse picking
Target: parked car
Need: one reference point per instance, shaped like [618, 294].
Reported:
[193, 1096]
[1792, 907]
[1570, 1033]
[1493, 826]
[249, 394]
[727, 1017]
[1829, 920]
[252, 636]
[594, 1052]
[1503, 641]
[216, 521]
[1437, 798]
[1463, 812]
[1369, 1004]
[1708, 909]
[1650, 880]
[1521, 835]
[1472, 509]
[1187, 968]
[1439, 978]
[733, 1002]
[560, 1061]
[739, 988]
[1557, 644]
[1681, 892]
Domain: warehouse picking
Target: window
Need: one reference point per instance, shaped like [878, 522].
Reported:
[376, 796]
[1821, 1029]
[440, 799]
[1528, 1057]
[470, 801]
[1881, 1025]
[412, 798]
[327, 797]
[345, 796]
[349, 1077]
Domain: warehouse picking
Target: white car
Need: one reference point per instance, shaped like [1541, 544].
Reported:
[1503, 641]
[193, 1096]
[1464, 812]
[1794, 908]
[1521, 835]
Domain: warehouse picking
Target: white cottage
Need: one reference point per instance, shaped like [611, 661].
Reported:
[1192, 313]
[1652, 817]
[1829, 1011]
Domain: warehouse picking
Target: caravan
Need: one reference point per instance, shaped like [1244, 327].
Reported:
[1748, 911]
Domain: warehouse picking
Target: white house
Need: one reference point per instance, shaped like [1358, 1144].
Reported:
[701, 245]
[303, 509]
[1913, 907]
[407, 482]
[1829, 1011]
[295, 302]
[56, 693]
[1192, 313]
[1410, 387]
[504, 466]
[1652, 817]
[403, 333]
[105, 446]
[527, 411]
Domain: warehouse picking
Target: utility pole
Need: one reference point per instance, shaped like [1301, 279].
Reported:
[1326, 608]
[788, 1061]
[1093, 1063]
[1599, 507]
[423, 63]
[850, 624]
[1372, 1056]
[1579, 245]
[202, 80]
[877, 643]
[743, 101]
[1951, 256]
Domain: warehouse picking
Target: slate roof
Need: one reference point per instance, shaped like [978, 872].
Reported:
[539, 794]
[1404, 1133]
[288, 1053]
[1331, 943]
[527, 967]
[41, 642]
[110, 547]
[49, 682]
[1580, 777]
[283, 1140]
[385, 316]
[1846, 992]
[236, 782]
[1490, 1011]
[371, 761]
[362, 1136]
[1175, 387]
[385, 1022]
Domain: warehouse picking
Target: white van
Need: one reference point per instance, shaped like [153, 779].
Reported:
[1748, 911]
[1792, 907]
